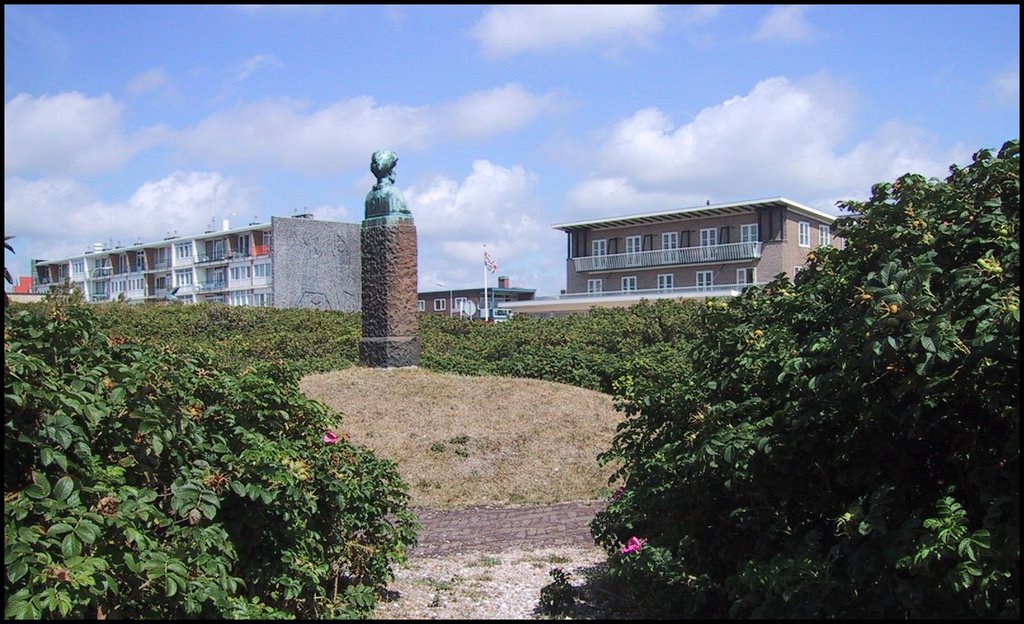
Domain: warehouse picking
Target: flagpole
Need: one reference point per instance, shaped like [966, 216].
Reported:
[486, 308]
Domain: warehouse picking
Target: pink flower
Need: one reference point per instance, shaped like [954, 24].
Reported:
[330, 437]
[634, 545]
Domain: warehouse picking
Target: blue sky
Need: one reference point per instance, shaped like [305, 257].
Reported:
[125, 123]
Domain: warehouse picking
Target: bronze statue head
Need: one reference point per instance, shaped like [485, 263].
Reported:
[382, 164]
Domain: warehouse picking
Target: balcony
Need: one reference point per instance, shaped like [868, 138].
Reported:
[101, 272]
[220, 256]
[732, 252]
[99, 297]
[162, 265]
[261, 250]
[212, 286]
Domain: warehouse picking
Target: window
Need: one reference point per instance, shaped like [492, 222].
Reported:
[629, 283]
[440, 305]
[805, 234]
[78, 266]
[183, 250]
[243, 245]
[241, 298]
[599, 247]
[183, 278]
[670, 240]
[705, 280]
[139, 261]
[421, 305]
[748, 233]
[594, 286]
[241, 272]
[633, 244]
[796, 270]
[824, 235]
[161, 282]
[708, 237]
[746, 276]
[264, 269]
[458, 303]
[666, 281]
[265, 300]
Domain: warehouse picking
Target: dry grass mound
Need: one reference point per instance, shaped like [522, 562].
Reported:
[472, 441]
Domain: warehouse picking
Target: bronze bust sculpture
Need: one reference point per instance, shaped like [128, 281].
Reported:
[384, 200]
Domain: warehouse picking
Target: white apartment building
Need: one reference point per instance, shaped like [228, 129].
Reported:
[289, 262]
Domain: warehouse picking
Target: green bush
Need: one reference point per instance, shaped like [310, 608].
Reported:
[589, 351]
[848, 445]
[141, 483]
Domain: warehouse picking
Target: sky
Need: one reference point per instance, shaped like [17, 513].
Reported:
[129, 123]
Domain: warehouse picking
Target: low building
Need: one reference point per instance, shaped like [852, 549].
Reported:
[291, 262]
[452, 302]
[712, 250]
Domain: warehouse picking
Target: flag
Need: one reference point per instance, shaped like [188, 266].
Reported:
[489, 263]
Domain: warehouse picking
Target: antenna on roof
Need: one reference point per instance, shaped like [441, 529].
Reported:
[707, 203]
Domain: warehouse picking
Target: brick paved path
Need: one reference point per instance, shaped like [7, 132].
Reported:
[489, 529]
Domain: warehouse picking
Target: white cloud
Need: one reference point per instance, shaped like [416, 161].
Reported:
[62, 217]
[508, 30]
[147, 81]
[1006, 84]
[504, 109]
[783, 138]
[606, 197]
[284, 133]
[255, 63]
[69, 133]
[493, 205]
[787, 24]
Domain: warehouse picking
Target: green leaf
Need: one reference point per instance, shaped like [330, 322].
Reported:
[170, 586]
[59, 529]
[70, 546]
[17, 570]
[928, 344]
[158, 444]
[63, 488]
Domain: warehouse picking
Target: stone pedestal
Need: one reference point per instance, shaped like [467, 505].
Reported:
[390, 321]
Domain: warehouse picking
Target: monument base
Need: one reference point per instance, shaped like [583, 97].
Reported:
[389, 352]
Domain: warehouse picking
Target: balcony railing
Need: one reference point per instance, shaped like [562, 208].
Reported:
[159, 266]
[666, 257]
[214, 285]
[99, 297]
[220, 256]
[715, 290]
[261, 250]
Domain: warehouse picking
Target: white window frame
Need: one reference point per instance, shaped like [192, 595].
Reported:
[824, 235]
[634, 244]
[708, 237]
[670, 240]
[599, 247]
[666, 281]
[804, 235]
[457, 303]
[241, 272]
[263, 269]
[741, 276]
[705, 280]
[183, 277]
[440, 305]
[421, 305]
[595, 286]
[77, 266]
[748, 233]
[182, 250]
[628, 283]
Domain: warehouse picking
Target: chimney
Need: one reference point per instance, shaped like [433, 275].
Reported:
[97, 247]
[226, 226]
[503, 281]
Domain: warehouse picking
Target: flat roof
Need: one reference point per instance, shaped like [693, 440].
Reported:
[710, 210]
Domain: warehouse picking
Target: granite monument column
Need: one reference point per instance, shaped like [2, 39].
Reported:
[388, 251]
